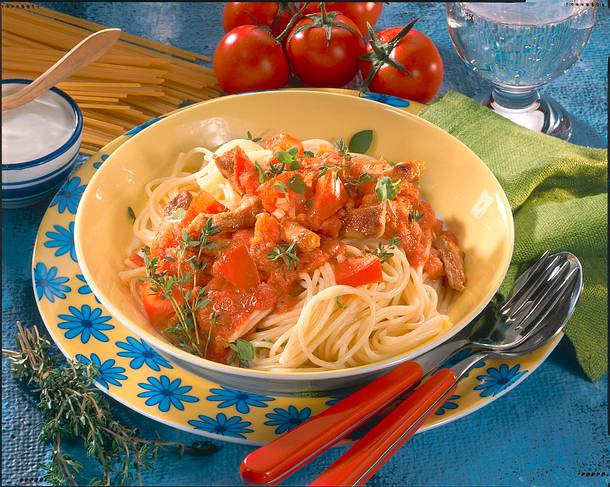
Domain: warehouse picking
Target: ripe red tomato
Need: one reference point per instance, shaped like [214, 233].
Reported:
[248, 58]
[322, 62]
[271, 14]
[418, 54]
[359, 12]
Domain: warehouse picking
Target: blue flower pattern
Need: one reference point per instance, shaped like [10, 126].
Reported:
[287, 419]
[142, 353]
[387, 99]
[69, 195]
[49, 284]
[99, 163]
[448, 404]
[233, 427]
[142, 126]
[498, 379]
[62, 239]
[107, 371]
[85, 289]
[85, 323]
[165, 394]
[240, 399]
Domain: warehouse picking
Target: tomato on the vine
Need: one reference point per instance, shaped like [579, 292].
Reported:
[359, 12]
[275, 15]
[249, 58]
[403, 62]
[324, 49]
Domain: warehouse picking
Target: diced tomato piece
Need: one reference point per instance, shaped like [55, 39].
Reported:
[358, 271]
[245, 172]
[136, 259]
[203, 202]
[282, 142]
[434, 265]
[238, 267]
[266, 229]
[166, 239]
[330, 196]
[273, 196]
[156, 307]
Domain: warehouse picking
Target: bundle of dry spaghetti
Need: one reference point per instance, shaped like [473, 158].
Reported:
[138, 79]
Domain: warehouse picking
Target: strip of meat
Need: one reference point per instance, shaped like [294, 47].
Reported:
[181, 200]
[452, 259]
[244, 216]
[305, 239]
[366, 221]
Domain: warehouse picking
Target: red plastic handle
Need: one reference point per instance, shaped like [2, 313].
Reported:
[370, 453]
[282, 457]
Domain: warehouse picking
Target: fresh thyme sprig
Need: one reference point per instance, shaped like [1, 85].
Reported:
[383, 252]
[181, 289]
[286, 252]
[342, 149]
[75, 410]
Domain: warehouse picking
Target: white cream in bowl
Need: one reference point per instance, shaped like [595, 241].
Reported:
[40, 143]
[37, 128]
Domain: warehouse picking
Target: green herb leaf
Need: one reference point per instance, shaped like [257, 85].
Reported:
[342, 148]
[339, 303]
[296, 184]
[262, 176]
[415, 216]
[280, 187]
[178, 215]
[308, 153]
[285, 252]
[361, 141]
[131, 214]
[252, 138]
[308, 203]
[386, 189]
[244, 351]
[289, 158]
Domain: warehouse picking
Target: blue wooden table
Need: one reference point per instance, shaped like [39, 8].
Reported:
[551, 430]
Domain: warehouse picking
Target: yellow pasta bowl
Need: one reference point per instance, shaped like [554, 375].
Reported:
[461, 189]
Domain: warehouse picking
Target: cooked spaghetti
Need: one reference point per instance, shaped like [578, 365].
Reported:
[295, 256]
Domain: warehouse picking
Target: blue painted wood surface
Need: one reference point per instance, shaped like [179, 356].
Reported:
[551, 430]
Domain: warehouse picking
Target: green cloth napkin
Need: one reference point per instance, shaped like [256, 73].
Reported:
[559, 198]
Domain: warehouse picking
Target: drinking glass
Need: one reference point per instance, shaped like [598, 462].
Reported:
[519, 47]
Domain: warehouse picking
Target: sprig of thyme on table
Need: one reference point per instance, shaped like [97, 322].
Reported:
[75, 410]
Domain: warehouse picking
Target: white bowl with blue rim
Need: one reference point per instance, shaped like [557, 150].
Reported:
[40, 144]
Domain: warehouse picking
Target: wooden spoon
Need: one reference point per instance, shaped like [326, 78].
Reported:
[84, 53]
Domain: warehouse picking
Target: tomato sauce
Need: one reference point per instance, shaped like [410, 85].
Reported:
[253, 260]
